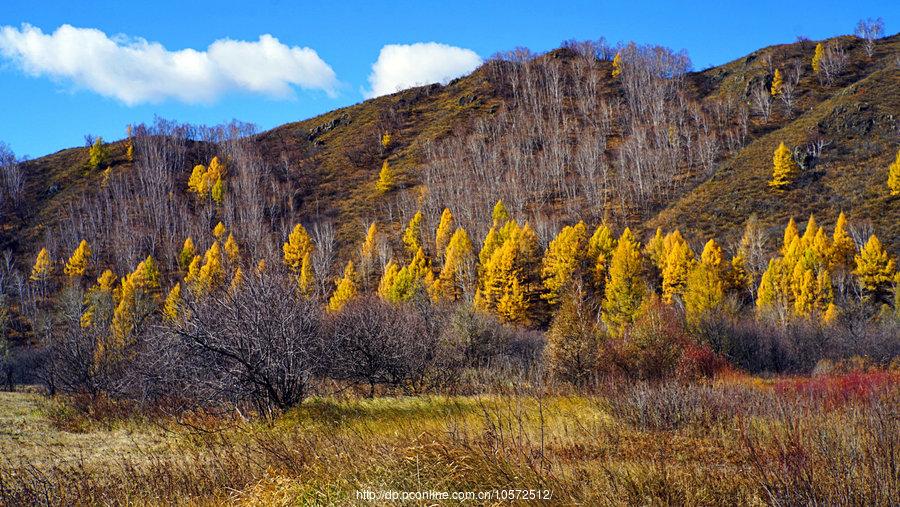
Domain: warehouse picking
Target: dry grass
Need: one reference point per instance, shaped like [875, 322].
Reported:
[736, 442]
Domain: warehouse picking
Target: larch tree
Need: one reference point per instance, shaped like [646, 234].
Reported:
[99, 300]
[129, 143]
[809, 233]
[172, 305]
[388, 280]
[345, 290]
[412, 236]
[574, 341]
[237, 279]
[43, 267]
[368, 256]
[444, 231]
[600, 249]
[706, 283]
[197, 181]
[218, 231]
[679, 261]
[97, 155]
[414, 278]
[777, 83]
[893, 181]
[565, 261]
[790, 234]
[500, 215]
[217, 193]
[456, 278]
[77, 264]
[509, 283]
[306, 278]
[656, 249]
[212, 273]
[192, 277]
[817, 58]
[188, 251]
[843, 248]
[617, 65]
[626, 287]
[296, 248]
[875, 269]
[386, 179]
[784, 169]
[232, 250]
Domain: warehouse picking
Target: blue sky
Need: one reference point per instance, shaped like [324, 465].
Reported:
[43, 112]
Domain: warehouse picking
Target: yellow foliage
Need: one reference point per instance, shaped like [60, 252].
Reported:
[306, 279]
[874, 267]
[43, 267]
[617, 65]
[212, 274]
[600, 249]
[790, 233]
[232, 250]
[218, 231]
[455, 278]
[564, 261]
[656, 249]
[386, 179]
[385, 140]
[208, 181]
[679, 261]
[508, 285]
[77, 264]
[777, 83]
[412, 236]
[893, 180]
[236, 280]
[218, 191]
[784, 169]
[346, 289]
[188, 251]
[626, 287]
[499, 215]
[296, 248]
[388, 279]
[192, 278]
[810, 232]
[370, 245]
[97, 154]
[817, 58]
[173, 303]
[444, 230]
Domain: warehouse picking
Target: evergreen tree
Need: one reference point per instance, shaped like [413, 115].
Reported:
[843, 248]
[296, 247]
[443, 233]
[875, 269]
[626, 287]
[386, 178]
[346, 289]
[893, 181]
[706, 284]
[77, 264]
[565, 261]
[785, 170]
[43, 267]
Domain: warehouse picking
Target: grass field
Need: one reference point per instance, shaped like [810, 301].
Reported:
[740, 441]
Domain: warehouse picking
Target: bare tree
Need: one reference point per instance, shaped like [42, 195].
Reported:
[762, 102]
[869, 30]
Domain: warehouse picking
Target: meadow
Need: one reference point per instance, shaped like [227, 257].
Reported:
[737, 440]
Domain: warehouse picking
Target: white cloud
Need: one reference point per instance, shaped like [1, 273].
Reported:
[135, 71]
[401, 66]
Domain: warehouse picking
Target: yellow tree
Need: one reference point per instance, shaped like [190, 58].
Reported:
[296, 248]
[679, 261]
[456, 276]
[232, 251]
[388, 279]
[656, 249]
[777, 83]
[509, 283]
[564, 261]
[129, 143]
[600, 249]
[817, 58]
[368, 255]
[412, 236]
[385, 140]
[386, 180]
[574, 341]
[197, 181]
[843, 248]
[875, 269]
[412, 279]
[499, 215]
[218, 231]
[43, 267]
[218, 191]
[192, 277]
[893, 180]
[188, 251]
[809, 233]
[706, 283]
[99, 299]
[172, 305]
[626, 287]
[790, 233]
[97, 154]
[236, 280]
[306, 279]
[617, 65]
[212, 273]
[444, 231]
[784, 169]
[77, 264]
[346, 289]
[775, 292]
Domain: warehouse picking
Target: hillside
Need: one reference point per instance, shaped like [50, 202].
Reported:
[326, 166]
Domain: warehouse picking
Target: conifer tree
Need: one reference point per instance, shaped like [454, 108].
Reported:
[875, 269]
[43, 267]
[600, 249]
[218, 231]
[173, 303]
[617, 65]
[212, 273]
[232, 251]
[784, 170]
[368, 254]
[656, 250]
[306, 278]
[817, 58]
[574, 341]
[188, 251]
[218, 191]
[777, 83]
[499, 215]
[197, 180]
[509, 282]
[388, 279]
[236, 280]
[809, 233]
[386, 179]
[564, 261]
[679, 261]
[843, 248]
[296, 247]
[893, 180]
[99, 299]
[385, 140]
[77, 264]
[774, 293]
[706, 284]
[790, 233]
[146, 275]
[192, 277]
[123, 320]
[626, 288]
[97, 154]
[412, 236]
[346, 289]
[443, 232]
[456, 276]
